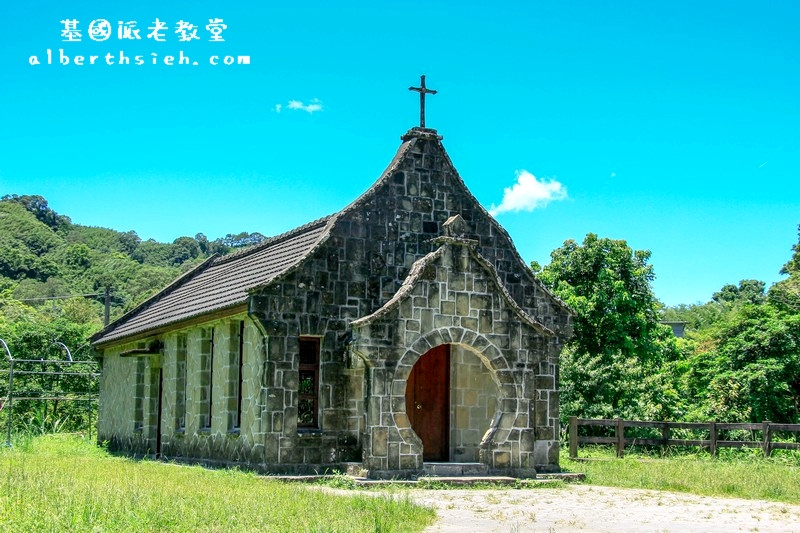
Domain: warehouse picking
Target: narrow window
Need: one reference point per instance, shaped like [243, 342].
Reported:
[206, 376]
[235, 376]
[153, 413]
[138, 403]
[308, 389]
[239, 377]
[180, 383]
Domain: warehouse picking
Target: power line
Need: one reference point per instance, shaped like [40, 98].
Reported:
[53, 297]
[106, 295]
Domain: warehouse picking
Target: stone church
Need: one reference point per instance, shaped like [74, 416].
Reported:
[402, 331]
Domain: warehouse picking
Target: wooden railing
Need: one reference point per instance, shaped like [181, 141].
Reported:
[712, 429]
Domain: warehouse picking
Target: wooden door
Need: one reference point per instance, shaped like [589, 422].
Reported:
[428, 402]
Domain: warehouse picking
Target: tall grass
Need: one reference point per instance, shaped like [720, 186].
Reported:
[61, 483]
[736, 473]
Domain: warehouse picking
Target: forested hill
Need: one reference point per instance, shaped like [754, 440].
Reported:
[44, 256]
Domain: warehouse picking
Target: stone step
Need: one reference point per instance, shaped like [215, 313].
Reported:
[455, 469]
[355, 469]
[566, 477]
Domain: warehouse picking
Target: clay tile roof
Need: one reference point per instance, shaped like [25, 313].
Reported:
[218, 283]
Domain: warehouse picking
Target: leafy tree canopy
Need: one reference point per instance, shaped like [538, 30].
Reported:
[608, 284]
[38, 206]
[609, 367]
[748, 291]
[785, 294]
[742, 359]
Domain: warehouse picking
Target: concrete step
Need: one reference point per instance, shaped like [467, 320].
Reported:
[455, 469]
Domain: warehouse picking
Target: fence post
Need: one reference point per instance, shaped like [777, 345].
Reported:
[10, 398]
[620, 437]
[665, 436]
[10, 389]
[573, 437]
[712, 439]
[766, 432]
[89, 405]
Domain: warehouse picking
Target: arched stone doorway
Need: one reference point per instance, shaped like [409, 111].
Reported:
[451, 401]
[474, 404]
[505, 412]
[428, 402]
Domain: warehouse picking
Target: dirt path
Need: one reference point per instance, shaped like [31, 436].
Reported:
[592, 508]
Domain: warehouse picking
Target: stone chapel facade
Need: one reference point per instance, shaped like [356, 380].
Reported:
[401, 330]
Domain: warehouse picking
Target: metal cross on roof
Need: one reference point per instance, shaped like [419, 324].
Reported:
[422, 90]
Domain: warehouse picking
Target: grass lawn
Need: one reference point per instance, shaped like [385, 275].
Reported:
[61, 483]
[738, 474]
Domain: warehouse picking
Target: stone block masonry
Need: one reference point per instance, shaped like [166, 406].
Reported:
[412, 264]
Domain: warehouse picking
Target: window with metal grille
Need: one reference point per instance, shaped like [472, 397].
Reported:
[206, 377]
[138, 404]
[180, 382]
[308, 388]
[235, 383]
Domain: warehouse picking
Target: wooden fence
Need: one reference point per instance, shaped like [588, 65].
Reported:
[711, 429]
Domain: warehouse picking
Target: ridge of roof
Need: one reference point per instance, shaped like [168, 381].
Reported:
[174, 284]
[393, 165]
[215, 269]
[499, 227]
[328, 221]
[331, 220]
[270, 241]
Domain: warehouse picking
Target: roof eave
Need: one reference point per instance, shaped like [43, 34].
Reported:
[184, 322]
[183, 278]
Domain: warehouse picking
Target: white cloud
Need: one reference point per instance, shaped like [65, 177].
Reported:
[278, 108]
[528, 193]
[311, 107]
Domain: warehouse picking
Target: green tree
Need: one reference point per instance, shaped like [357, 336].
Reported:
[756, 375]
[150, 252]
[23, 242]
[741, 361]
[749, 291]
[43, 254]
[240, 240]
[183, 249]
[38, 206]
[611, 366]
[35, 333]
[785, 294]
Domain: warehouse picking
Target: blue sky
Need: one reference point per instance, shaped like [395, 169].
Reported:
[672, 125]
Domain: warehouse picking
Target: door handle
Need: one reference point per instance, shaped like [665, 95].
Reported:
[419, 406]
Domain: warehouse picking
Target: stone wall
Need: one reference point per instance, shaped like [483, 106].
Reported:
[126, 414]
[117, 397]
[294, 310]
[473, 403]
[131, 429]
[453, 296]
[377, 239]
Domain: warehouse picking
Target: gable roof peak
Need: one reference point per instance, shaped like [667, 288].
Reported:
[421, 133]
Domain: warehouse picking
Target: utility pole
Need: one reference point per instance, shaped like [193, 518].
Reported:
[107, 314]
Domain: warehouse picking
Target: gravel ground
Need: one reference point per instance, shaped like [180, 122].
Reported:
[593, 508]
